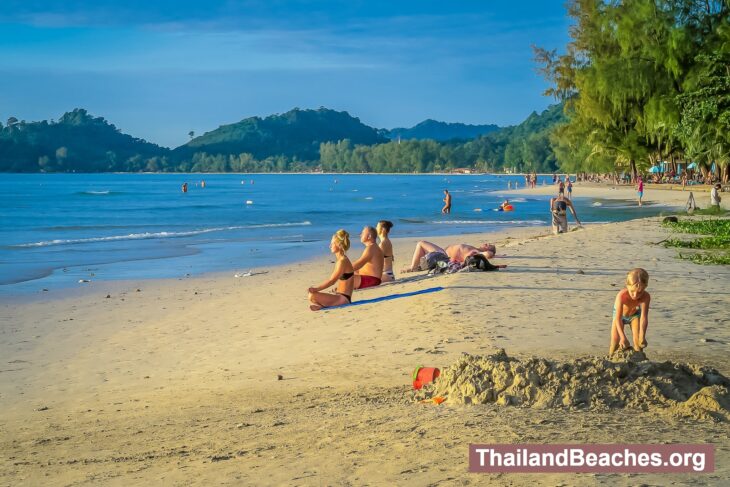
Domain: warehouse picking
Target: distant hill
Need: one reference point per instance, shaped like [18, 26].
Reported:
[441, 131]
[76, 142]
[299, 140]
[294, 134]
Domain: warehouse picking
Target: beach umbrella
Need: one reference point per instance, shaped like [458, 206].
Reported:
[692, 165]
[655, 169]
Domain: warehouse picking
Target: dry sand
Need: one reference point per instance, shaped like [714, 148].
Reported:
[664, 194]
[178, 383]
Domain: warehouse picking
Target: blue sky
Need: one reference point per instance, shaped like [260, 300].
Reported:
[158, 69]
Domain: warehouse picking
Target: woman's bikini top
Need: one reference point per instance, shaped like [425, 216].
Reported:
[346, 275]
[560, 206]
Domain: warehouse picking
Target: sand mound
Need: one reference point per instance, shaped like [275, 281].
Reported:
[626, 380]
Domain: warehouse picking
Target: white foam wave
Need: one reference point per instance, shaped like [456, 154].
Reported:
[490, 222]
[97, 192]
[518, 200]
[151, 235]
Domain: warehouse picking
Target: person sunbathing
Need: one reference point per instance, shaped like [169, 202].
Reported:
[456, 252]
[343, 275]
[369, 267]
[386, 246]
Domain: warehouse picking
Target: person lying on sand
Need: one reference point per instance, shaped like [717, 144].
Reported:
[369, 267]
[386, 246]
[631, 307]
[457, 252]
[343, 275]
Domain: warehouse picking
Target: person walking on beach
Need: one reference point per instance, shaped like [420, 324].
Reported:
[447, 202]
[631, 307]
[715, 198]
[561, 186]
[383, 229]
[569, 187]
[684, 180]
[343, 275]
[558, 211]
[369, 267]
[640, 189]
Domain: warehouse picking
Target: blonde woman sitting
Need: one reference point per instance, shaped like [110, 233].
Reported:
[343, 275]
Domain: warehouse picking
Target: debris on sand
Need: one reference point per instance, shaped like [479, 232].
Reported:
[624, 380]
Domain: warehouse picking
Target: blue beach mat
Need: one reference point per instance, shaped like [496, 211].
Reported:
[389, 297]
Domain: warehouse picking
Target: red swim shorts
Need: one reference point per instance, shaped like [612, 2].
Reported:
[368, 281]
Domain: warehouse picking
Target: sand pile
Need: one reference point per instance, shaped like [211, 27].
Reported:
[627, 380]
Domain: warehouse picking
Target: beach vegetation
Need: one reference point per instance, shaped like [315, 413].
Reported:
[643, 82]
[714, 238]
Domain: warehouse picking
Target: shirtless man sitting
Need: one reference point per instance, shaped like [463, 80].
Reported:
[369, 267]
[457, 252]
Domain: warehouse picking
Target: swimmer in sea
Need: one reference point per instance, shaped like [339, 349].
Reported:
[447, 202]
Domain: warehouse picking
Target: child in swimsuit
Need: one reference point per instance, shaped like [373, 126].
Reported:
[343, 275]
[386, 246]
[631, 308]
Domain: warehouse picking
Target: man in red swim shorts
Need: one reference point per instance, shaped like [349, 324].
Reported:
[370, 263]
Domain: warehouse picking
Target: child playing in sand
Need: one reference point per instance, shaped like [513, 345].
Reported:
[631, 307]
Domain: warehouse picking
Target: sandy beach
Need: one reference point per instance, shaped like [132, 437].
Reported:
[665, 194]
[178, 381]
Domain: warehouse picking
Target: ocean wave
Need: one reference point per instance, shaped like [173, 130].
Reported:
[489, 222]
[98, 193]
[153, 235]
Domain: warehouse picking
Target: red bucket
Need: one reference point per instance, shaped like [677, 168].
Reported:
[424, 375]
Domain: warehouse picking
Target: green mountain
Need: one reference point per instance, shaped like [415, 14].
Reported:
[523, 147]
[295, 134]
[299, 140]
[76, 142]
[441, 131]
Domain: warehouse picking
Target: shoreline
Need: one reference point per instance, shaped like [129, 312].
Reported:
[58, 290]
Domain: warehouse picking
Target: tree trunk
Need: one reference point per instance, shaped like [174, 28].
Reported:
[634, 173]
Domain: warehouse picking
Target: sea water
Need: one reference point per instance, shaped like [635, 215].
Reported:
[57, 229]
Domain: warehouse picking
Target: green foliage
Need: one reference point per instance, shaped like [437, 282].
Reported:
[644, 80]
[524, 147]
[440, 131]
[299, 140]
[77, 142]
[294, 134]
[717, 243]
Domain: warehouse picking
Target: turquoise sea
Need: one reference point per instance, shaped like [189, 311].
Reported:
[60, 228]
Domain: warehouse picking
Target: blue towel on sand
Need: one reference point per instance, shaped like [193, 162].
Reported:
[389, 297]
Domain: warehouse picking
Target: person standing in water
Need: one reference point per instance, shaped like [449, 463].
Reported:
[386, 246]
[558, 210]
[185, 187]
[447, 202]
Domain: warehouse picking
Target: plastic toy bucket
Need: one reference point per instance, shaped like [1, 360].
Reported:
[424, 375]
